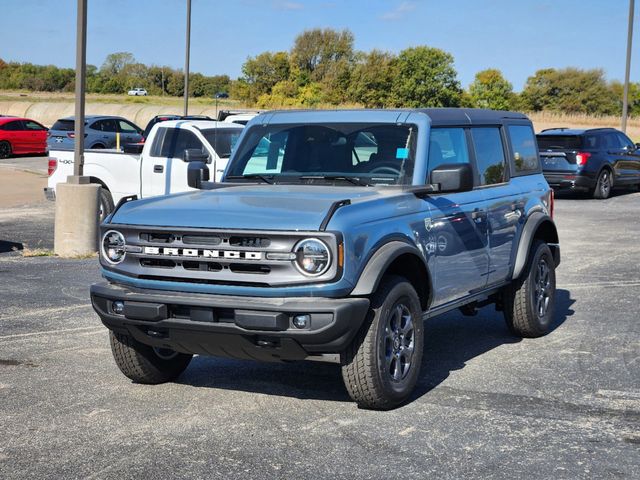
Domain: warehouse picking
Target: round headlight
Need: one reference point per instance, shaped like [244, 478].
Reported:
[113, 247]
[312, 257]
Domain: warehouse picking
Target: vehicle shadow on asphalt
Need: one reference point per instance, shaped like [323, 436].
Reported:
[451, 340]
[7, 246]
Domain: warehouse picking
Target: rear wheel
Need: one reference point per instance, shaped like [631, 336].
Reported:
[98, 146]
[5, 149]
[381, 366]
[106, 205]
[529, 302]
[603, 185]
[145, 364]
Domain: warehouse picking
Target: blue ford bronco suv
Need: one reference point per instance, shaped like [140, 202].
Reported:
[333, 235]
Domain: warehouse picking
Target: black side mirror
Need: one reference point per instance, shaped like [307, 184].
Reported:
[195, 155]
[637, 145]
[453, 177]
[197, 172]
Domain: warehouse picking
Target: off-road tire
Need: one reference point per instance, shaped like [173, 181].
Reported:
[522, 298]
[364, 368]
[106, 205]
[142, 364]
[604, 184]
[5, 149]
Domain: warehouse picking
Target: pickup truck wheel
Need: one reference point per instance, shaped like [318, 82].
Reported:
[5, 149]
[381, 366]
[106, 205]
[603, 185]
[529, 302]
[145, 364]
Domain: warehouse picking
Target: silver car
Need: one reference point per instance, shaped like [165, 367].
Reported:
[100, 132]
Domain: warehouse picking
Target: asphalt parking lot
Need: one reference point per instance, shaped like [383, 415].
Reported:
[487, 405]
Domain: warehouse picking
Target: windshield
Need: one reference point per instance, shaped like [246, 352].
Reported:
[222, 139]
[353, 153]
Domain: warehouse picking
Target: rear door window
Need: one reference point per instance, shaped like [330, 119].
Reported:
[523, 149]
[14, 126]
[447, 145]
[490, 157]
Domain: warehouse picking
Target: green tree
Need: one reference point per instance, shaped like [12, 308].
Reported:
[372, 79]
[316, 52]
[570, 90]
[426, 78]
[116, 62]
[491, 90]
[262, 72]
[634, 97]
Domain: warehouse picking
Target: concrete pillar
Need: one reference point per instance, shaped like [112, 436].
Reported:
[76, 223]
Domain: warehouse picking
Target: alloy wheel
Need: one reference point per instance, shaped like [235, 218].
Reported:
[399, 342]
[542, 282]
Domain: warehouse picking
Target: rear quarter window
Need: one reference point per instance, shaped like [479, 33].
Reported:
[523, 149]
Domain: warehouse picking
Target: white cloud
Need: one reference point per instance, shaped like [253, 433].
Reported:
[399, 12]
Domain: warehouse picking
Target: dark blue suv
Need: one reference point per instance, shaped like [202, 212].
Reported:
[593, 160]
[333, 235]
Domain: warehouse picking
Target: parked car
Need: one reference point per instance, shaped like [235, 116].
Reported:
[158, 169]
[325, 248]
[100, 132]
[137, 92]
[241, 117]
[222, 95]
[20, 136]
[164, 118]
[594, 160]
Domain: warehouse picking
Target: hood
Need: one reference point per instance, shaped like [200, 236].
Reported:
[259, 207]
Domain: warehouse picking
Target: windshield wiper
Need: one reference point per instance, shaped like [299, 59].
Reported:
[252, 176]
[354, 180]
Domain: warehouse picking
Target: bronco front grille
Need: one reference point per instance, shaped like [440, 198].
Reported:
[216, 256]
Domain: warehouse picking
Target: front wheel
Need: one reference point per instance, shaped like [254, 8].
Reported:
[145, 364]
[381, 366]
[529, 302]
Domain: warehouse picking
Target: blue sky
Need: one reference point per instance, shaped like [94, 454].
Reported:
[516, 36]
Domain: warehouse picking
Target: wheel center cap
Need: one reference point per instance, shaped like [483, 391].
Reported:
[396, 343]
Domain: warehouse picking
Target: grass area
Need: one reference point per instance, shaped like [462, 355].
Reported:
[151, 100]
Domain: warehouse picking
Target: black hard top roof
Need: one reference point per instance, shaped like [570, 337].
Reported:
[469, 115]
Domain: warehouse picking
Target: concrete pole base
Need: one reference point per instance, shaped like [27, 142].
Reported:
[76, 223]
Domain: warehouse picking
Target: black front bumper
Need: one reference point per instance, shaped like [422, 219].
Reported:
[230, 326]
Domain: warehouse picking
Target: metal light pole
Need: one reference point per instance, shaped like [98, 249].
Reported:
[186, 60]
[81, 67]
[76, 220]
[625, 95]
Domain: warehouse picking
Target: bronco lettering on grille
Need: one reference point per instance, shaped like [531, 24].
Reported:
[204, 253]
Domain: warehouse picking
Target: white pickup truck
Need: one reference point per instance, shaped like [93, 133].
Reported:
[159, 169]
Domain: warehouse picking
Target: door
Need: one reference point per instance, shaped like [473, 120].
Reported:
[129, 133]
[631, 158]
[164, 170]
[457, 231]
[618, 158]
[504, 202]
[14, 133]
[36, 135]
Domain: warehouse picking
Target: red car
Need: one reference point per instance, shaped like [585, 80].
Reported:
[21, 135]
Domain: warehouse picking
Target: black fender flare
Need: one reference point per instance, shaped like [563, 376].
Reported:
[533, 223]
[380, 261]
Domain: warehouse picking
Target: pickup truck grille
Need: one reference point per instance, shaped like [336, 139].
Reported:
[252, 258]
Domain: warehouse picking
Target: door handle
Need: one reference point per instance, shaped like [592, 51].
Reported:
[477, 215]
[158, 168]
